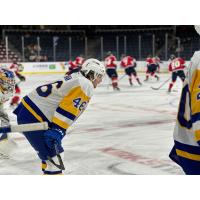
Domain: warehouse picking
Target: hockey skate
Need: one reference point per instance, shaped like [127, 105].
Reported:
[157, 78]
[139, 82]
[116, 89]
[169, 90]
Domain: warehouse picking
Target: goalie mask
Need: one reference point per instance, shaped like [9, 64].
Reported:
[7, 81]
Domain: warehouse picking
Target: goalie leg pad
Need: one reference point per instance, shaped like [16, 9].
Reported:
[4, 122]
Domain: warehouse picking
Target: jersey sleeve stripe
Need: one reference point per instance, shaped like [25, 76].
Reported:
[196, 117]
[187, 155]
[187, 147]
[60, 123]
[35, 109]
[197, 135]
[31, 111]
[66, 113]
[63, 118]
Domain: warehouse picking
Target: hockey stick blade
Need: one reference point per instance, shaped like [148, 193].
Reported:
[61, 164]
[161, 85]
[155, 88]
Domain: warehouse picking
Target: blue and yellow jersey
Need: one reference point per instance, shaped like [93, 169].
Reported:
[187, 129]
[60, 102]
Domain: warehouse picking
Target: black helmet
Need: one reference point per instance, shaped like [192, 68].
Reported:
[172, 57]
[108, 53]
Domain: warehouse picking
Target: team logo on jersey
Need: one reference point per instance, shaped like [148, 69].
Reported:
[67, 77]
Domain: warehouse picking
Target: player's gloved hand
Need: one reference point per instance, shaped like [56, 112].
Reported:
[53, 136]
[22, 78]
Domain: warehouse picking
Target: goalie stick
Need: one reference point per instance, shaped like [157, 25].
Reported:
[154, 88]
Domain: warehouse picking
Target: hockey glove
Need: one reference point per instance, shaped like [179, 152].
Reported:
[52, 137]
[22, 78]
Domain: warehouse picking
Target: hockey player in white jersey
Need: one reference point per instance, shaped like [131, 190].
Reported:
[59, 103]
[186, 150]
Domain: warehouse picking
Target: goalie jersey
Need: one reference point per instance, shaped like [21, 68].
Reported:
[186, 150]
[61, 102]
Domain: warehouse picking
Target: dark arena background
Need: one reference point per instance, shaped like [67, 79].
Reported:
[44, 43]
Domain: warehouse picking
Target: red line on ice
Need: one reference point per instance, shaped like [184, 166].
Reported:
[134, 157]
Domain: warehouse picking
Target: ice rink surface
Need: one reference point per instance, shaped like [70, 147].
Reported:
[128, 132]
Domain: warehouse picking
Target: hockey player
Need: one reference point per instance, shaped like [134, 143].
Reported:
[7, 85]
[157, 61]
[176, 67]
[17, 68]
[75, 66]
[59, 103]
[111, 69]
[186, 150]
[152, 67]
[129, 64]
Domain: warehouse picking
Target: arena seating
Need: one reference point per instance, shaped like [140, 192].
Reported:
[61, 43]
[12, 56]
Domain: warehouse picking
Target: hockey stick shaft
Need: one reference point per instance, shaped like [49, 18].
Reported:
[121, 77]
[161, 85]
[110, 83]
[24, 127]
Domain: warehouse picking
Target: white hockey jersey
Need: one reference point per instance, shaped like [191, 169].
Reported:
[60, 102]
[187, 128]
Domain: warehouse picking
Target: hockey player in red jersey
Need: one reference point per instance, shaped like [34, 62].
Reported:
[79, 60]
[176, 67]
[157, 61]
[152, 67]
[111, 69]
[17, 69]
[129, 64]
[75, 66]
